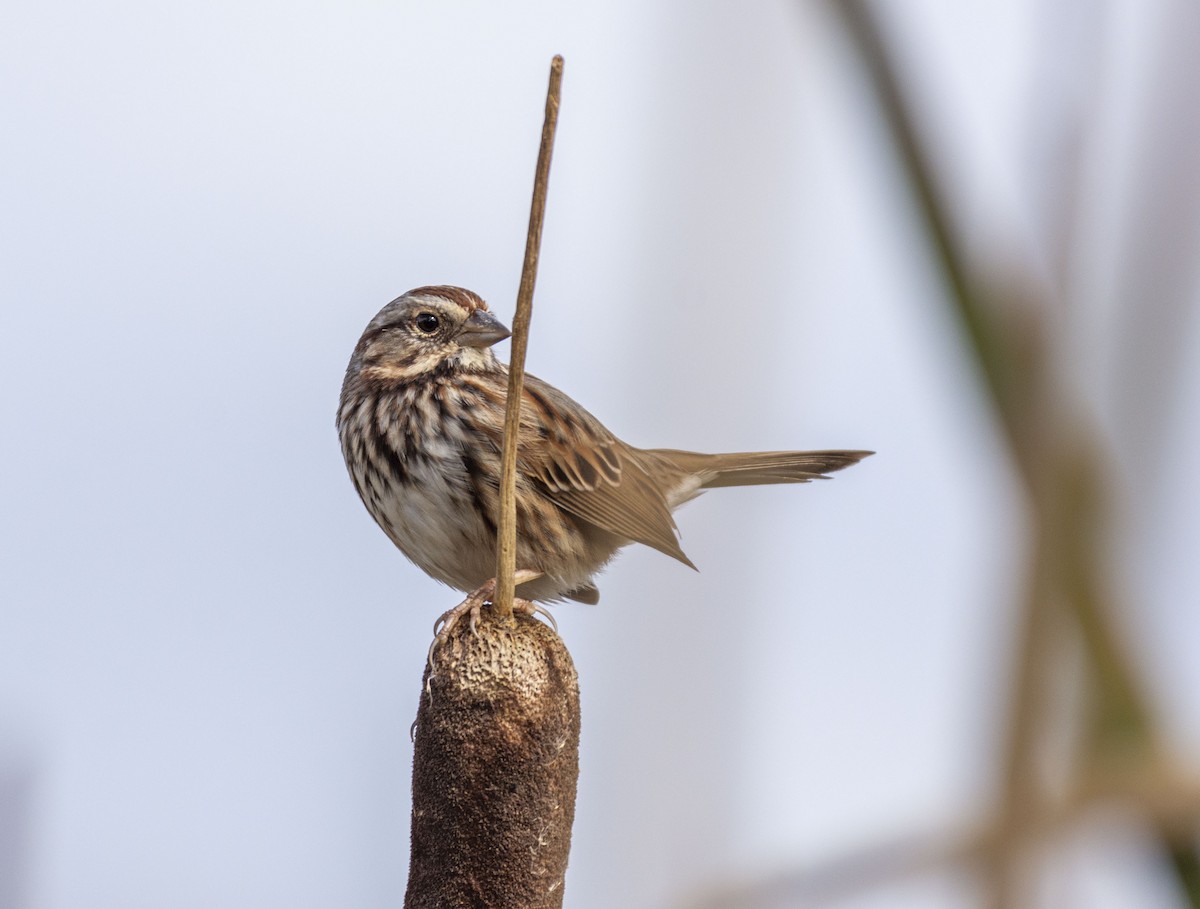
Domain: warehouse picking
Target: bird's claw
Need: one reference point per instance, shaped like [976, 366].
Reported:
[535, 609]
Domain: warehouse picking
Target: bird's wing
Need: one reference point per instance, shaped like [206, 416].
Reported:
[590, 473]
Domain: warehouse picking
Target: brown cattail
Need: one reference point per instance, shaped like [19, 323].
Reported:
[495, 769]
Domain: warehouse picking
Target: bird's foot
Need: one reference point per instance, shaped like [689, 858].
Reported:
[472, 606]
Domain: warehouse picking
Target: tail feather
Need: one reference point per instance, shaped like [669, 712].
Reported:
[757, 468]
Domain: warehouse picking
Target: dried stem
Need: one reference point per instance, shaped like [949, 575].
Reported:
[506, 549]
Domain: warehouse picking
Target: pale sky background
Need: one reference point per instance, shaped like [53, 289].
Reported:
[210, 656]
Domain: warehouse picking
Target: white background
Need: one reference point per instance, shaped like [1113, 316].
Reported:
[210, 656]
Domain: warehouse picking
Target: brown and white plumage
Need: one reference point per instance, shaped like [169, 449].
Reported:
[421, 425]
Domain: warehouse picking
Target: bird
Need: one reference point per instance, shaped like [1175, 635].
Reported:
[421, 425]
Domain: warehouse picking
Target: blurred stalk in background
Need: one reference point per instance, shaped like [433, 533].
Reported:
[1016, 324]
[1005, 313]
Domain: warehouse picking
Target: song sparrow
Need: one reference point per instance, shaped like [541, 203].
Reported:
[421, 424]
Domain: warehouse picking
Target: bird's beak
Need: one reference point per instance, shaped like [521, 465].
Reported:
[482, 329]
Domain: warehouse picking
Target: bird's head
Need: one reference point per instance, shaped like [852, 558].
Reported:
[427, 330]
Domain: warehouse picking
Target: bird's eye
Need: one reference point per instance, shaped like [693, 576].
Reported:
[428, 322]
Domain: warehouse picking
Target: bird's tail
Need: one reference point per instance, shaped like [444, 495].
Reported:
[757, 468]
